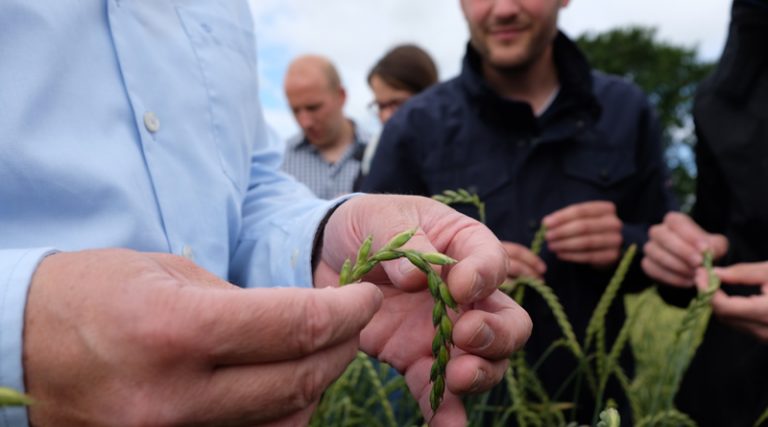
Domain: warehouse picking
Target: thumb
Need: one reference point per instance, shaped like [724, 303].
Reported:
[719, 245]
[402, 272]
[745, 274]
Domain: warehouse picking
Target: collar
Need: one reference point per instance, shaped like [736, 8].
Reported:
[573, 70]
[300, 142]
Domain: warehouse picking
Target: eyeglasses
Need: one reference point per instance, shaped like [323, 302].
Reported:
[378, 106]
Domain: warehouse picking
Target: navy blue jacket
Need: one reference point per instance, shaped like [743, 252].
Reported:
[599, 140]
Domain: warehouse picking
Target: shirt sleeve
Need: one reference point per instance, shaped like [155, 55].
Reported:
[280, 219]
[16, 269]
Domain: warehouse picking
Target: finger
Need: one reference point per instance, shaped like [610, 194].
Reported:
[451, 411]
[663, 275]
[522, 256]
[745, 273]
[751, 308]
[601, 257]
[669, 261]
[495, 328]
[583, 227]
[516, 269]
[469, 374]
[588, 242]
[402, 273]
[482, 265]
[267, 325]
[686, 229]
[676, 244]
[292, 387]
[579, 211]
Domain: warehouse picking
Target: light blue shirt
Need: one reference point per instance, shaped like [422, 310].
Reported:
[136, 124]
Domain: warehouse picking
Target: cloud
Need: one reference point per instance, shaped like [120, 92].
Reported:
[354, 34]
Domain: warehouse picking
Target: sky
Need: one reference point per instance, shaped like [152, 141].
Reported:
[354, 34]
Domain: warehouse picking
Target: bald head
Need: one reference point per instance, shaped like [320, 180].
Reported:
[316, 97]
[313, 67]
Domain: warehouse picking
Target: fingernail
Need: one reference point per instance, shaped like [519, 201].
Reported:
[482, 338]
[478, 285]
[696, 259]
[479, 381]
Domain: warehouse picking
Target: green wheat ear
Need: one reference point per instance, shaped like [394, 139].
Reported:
[443, 340]
[451, 197]
[10, 397]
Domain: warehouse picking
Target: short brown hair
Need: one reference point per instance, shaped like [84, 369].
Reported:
[407, 67]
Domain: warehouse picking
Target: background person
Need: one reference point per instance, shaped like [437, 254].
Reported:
[402, 72]
[541, 138]
[326, 154]
[726, 383]
[133, 152]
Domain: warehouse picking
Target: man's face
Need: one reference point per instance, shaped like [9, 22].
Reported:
[317, 107]
[512, 34]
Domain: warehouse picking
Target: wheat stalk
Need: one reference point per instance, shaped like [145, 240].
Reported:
[10, 397]
[450, 197]
[443, 324]
[763, 418]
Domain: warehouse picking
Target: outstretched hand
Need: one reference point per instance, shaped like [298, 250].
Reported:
[489, 327]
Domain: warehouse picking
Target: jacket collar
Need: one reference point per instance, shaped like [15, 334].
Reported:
[573, 70]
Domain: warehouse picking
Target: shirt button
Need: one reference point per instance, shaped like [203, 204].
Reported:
[151, 122]
[187, 253]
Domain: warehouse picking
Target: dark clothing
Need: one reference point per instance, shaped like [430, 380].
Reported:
[727, 383]
[599, 140]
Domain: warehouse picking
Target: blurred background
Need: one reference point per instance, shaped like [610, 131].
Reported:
[665, 46]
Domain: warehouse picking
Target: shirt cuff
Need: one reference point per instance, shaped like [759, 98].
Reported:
[16, 269]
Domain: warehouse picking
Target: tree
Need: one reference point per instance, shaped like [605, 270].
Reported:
[669, 75]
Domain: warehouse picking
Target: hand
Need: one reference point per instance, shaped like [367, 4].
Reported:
[488, 329]
[522, 262]
[116, 337]
[585, 233]
[748, 313]
[675, 247]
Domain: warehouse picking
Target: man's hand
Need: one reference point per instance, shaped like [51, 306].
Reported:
[748, 313]
[522, 262]
[490, 325]
[115, 337]
[585, 233]
[675, 247]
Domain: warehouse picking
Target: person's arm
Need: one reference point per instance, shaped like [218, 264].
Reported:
[280, 219]
[17, 267]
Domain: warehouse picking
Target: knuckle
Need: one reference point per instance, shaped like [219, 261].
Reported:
[309, 388]
[315, 326]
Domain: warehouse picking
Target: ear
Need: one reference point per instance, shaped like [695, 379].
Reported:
[342, 95]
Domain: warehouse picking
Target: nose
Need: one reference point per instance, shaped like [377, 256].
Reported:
[304, 119]
[506, 8]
